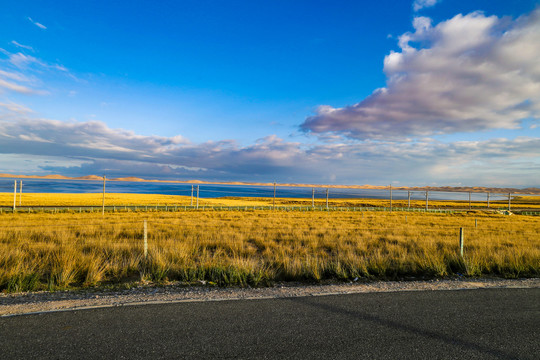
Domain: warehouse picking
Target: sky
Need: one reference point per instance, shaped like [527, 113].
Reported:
[420, 92]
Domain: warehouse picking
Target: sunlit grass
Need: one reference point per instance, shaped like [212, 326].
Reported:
[57, 251]
[112, 199]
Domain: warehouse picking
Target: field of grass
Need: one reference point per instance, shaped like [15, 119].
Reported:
[40, 251]
[95, 199]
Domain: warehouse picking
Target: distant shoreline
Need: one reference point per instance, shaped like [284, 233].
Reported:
[476, 189]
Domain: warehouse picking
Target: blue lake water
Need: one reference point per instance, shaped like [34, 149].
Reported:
[215, 191]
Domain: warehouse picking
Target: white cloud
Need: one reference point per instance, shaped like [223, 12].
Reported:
[22, 73]
[39, 25]
[100, 149]
[468, 73]
[420, 4]
[16, 87]
[16, 108]
[22, 46]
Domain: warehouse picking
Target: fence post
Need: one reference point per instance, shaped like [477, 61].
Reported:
[103, 204]
[488, 200]
[312, 197]
[461, 240]
[191, 196]
[469, 200]
[327, 199]
[197, 197]
[15, 196]
[145, 240]
[390, 197]
[274, 199]
[427, 201]
[409, 197]
[20, 193]
[509, 197]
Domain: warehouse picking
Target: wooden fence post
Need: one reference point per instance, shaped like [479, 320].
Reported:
[191, 196]
[488, 200]
[20, 193]
[509, 197]
[469, 200]
[312, 197]
[409, 197]
[197, 197]
[427, 201]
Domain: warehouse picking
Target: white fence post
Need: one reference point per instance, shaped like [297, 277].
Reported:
[390, 197]
[327, 199]
[461, 240]
[15, 196]
[145, 240]
[103, 203]
[274, 199]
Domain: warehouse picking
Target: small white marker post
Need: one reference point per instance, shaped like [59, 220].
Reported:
[274, 199]
[390, 197]
[461, 241]
[145, 240]
[327, 199]
[15, 196]
[103, 203]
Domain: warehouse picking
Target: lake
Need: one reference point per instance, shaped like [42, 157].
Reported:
[215, 191]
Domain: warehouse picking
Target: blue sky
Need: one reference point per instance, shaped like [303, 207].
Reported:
[421, 92]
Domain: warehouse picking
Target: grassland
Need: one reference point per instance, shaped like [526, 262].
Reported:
[119, 200]
[40, 251]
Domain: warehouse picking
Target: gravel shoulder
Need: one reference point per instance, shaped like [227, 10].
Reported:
[37, 302]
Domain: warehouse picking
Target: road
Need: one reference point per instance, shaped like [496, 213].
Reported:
[463, 324]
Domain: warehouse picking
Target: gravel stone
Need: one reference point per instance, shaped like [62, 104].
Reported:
[38, 302]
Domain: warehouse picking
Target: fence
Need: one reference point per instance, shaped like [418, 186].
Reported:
[309, 198]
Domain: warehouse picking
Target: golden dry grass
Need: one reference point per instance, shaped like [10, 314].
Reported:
[112, 199]
[57, 251]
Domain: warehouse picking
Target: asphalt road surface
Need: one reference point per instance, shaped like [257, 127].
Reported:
[466, 324]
